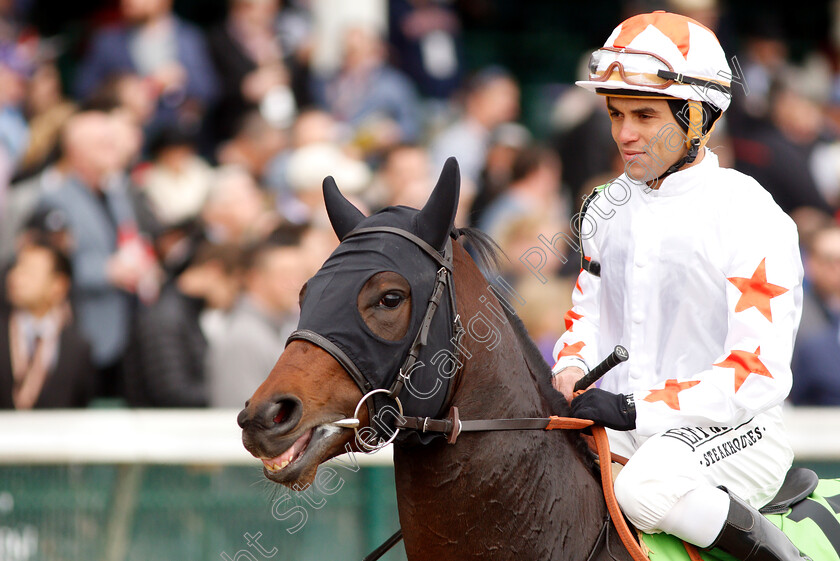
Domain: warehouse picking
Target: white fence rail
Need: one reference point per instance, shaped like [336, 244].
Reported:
[212, 437]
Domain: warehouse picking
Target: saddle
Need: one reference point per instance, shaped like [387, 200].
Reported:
[799, 484]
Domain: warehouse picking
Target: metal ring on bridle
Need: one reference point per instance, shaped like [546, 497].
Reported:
[361, 441]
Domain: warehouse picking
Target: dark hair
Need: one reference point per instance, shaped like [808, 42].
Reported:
[171, 135]
[527, 161]
[486, 77]
[229, 256]
[61, 261]
[285, 235]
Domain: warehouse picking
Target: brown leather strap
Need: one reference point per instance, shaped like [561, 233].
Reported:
[452, 425]
[693, 554]
[603, 445]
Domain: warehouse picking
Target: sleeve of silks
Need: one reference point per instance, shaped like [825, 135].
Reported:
[762, 279]
[578, 346]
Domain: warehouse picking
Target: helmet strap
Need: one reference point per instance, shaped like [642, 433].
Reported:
[695, 139]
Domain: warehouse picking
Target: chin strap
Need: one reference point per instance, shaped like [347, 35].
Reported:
[695, 139]
[691, 155]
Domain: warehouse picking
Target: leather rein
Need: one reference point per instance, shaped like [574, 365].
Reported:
[452, 425]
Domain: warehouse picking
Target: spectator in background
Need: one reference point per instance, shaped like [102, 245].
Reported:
[404, 178]
[264, 316]
[376, 100]
[248, 55]
[506, 142]
[307, 168]
[426, 37]
[110, 259]
[312, 126]
[526, 257]
[254, 146]
[814, 366]
[817, 350]
[545, 312]
[47, 110]
[581, 134]
[491, 98]
[157, 45]
[23, 199]
[133, 94]
[44, 360]
[178, 180]
[778, 154]
[534, 191]
[165, 362]
[821, 297]
[236, 210]
[15, 70]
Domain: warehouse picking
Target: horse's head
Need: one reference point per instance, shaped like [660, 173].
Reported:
[361, 315]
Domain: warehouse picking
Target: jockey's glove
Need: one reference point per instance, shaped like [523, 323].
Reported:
[614, 410]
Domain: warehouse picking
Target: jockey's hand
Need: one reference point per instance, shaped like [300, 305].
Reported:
[565, 380]
[614, 410]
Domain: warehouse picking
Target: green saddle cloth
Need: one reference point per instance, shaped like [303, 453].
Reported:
[813, 525]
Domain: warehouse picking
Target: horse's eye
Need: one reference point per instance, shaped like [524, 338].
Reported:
[391, 300]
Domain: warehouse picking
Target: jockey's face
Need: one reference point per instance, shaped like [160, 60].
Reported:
[647, 135]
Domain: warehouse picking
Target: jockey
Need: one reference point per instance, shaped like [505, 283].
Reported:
[700, 278]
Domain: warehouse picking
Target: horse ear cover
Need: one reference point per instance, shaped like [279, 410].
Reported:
[437, 218]
[344, 217]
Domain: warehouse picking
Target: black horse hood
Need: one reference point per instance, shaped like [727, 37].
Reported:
[330, 310]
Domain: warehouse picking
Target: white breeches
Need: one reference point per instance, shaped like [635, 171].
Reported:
[750, 460]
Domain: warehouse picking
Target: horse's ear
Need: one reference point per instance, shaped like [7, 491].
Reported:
[437, 217]
[343, 215]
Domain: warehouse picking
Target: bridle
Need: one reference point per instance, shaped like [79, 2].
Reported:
[452, 425]
[402, 377]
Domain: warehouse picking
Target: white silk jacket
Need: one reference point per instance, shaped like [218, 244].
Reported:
[701, 281]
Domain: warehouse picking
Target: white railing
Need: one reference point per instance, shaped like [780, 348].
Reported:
[212, 437]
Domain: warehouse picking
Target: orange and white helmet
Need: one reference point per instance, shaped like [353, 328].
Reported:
[662, 53]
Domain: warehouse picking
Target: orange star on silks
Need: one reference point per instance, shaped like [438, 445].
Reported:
[668, 394]
[744, 363]
[570, 318]
[571, 350]
[756, 292]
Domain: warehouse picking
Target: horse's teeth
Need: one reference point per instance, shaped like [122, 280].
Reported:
[284, 464]
[275, 467]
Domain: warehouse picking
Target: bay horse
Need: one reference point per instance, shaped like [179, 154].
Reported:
[492, 495]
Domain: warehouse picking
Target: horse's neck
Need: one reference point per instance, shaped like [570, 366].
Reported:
[498, 495]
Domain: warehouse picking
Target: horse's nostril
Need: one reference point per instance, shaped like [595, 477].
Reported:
[285, 407]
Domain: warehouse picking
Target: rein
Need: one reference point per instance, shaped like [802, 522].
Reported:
[452, 426]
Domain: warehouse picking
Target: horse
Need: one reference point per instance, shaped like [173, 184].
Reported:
[492, 495]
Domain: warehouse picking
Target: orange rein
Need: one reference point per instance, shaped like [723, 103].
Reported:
[602, 447]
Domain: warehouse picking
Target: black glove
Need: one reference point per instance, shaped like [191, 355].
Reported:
[614, 410]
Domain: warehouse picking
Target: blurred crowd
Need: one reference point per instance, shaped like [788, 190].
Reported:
[160, 203]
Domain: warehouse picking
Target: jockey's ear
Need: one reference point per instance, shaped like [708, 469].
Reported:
[344, 217]
[437, 218]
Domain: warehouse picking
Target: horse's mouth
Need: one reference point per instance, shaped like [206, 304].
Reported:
[298, 458]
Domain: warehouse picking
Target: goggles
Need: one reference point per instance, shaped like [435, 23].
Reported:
[640, 68]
